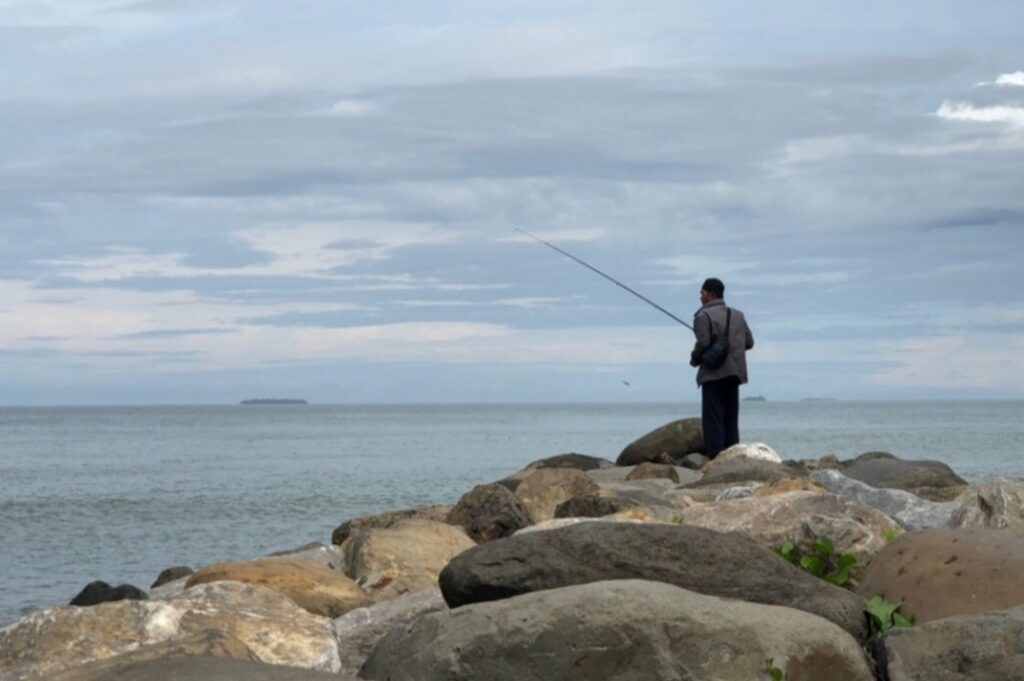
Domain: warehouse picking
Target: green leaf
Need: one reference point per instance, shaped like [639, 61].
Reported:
[840, 578]
[890, 535]
[813, 565]
[846, 561]
[899, 620]
[776, 674]
[789, 552]
[881, 612]
[824, 547]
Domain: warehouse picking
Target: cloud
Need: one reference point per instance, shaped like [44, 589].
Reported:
[959, 111]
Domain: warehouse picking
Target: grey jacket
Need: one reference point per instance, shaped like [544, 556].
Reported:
[710, 320]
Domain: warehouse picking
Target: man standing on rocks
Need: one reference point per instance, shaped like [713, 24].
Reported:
[719, 381]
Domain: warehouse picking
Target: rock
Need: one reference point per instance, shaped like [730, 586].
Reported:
[676, 439]
[620, 473]
[331, 557]
[98, 592]
[580, 462]
[742, 470]
[270, 625]
[647, 471]
[899, 474]
[800, 518]
[943, 572]
[315, 588]
[203, 669]
[403, 558]
[789, 485]
[651, 492]
[489, 512]
[207, 644]
[754, 450]
[909, 510]
[619, 630]
[714, 563]
[997, 503]
[593, 506]
[169, 589]
[358, 631]
[738, 492]
[544, 489]
[171, 574]
[983, 647]
[693, 461]
[382, 520]
[869, 456]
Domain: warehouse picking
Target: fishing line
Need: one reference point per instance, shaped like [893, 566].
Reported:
[609, 278]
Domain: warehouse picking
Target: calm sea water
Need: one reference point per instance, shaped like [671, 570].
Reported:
[119, 494]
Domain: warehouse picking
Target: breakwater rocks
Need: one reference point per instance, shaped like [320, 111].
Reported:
[751, 567]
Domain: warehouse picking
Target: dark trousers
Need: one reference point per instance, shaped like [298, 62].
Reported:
[720, 414]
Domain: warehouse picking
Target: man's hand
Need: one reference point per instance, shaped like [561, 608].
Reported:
[694, 359]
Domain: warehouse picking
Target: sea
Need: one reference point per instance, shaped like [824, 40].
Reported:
[120, 493]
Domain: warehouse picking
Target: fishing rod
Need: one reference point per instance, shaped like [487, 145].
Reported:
[611, 279]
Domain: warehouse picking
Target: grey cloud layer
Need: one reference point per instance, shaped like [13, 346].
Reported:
[831, 189]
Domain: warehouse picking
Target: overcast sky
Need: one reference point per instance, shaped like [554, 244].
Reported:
[207, 200]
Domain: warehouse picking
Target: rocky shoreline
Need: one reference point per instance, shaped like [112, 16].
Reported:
[660, 565]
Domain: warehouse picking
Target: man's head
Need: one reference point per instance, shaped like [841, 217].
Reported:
[711, 289]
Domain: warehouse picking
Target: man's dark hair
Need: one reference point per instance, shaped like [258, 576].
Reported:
[714, 286]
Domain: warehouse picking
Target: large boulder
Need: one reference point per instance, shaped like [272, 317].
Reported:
[205, 644]
[268, 624]
[314, 588]
[544, 489]
[650, 492]
[98, 592]
[403, 558]
[996, 504]
[909, 510]
[593, 506]
[171, 574]
[673, 441]
[800, 518]
[489, 512]
[384, 520]
[714, 563]
[580, 462]
[913, 476]
[328, 556]
[648, 471]
[622, 630]
[197, 668]
[359, 631]
[985, 647]
[752, 450]
[944, 572]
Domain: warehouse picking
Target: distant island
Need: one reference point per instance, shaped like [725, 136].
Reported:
[755, 398]
[817, 399]
[272, 400]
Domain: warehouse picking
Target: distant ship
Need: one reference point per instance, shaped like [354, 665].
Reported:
[755, 398]
[272, 400]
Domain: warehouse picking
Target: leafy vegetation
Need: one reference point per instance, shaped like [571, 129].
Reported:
[774, 672]
[821, 561]
[885, 615]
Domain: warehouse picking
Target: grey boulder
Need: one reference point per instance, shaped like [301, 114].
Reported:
[672, 441]
[582, 462]
[628, 630]
[985, 647]
[903, 474]
[909, 510]
[713, 563]
[995, 504]
[489, 512]
[98, 592]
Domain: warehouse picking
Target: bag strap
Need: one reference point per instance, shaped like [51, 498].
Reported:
[728, 322]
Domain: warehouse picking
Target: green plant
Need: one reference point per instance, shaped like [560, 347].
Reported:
[891, 534]
[677, 519]
[821, 561]
[885, 615]
[774, 672]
